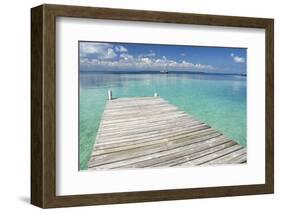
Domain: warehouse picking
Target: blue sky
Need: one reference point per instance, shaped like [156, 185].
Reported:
[102, 56]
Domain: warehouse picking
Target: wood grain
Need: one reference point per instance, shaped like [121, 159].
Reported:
[127, 144]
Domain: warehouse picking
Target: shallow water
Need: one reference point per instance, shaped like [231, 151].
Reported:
[218, 100]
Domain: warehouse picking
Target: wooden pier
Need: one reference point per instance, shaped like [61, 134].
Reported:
[146, 132]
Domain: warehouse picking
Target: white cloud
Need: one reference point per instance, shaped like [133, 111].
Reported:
[120, 49]
[126, 56]
[109, 54]
[100, 50]
[90, 48]
[127, 61]
[237, 59]
[103, 56]
[146, 60]
[183, 54]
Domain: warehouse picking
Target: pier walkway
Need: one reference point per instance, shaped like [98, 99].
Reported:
[146, 132]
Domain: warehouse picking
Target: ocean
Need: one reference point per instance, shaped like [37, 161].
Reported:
[218, 100]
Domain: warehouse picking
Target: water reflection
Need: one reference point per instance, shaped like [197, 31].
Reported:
[90, 80]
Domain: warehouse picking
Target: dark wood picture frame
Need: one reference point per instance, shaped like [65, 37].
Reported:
[43, 105]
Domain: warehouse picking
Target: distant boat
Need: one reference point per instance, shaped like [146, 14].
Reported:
[163, 71]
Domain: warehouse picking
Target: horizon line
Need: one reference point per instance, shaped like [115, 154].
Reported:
[157, 71]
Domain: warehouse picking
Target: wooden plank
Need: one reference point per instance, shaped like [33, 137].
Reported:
[145, 158]
[239, 159]
[212, 156]
[154, 142]
[159, 124]
[195, 155]
[174, 154]
[142, 118]
[128, 136]
[155, 134]
[167, 137]
[139, 151]
[156, 109]
[122, 108]
[227, 158]
[143, 125]
[149, 132]
[109, 149]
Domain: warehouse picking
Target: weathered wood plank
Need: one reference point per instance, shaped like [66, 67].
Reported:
[155, 133]
[227, 158]
[101, 149]
[169, 137]
[142, 126]
[210, 157]
[142, 118]
[140, 151]
[239, 159]
[150, 157]
[127, 136]
[164, 156]
[195, 155]
[149, 132]
[166, 135]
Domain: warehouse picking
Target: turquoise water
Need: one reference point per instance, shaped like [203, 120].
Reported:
[218, 100]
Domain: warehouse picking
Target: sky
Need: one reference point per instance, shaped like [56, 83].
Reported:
[103, 56]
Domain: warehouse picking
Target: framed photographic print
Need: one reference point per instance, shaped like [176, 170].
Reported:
[136, 106]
